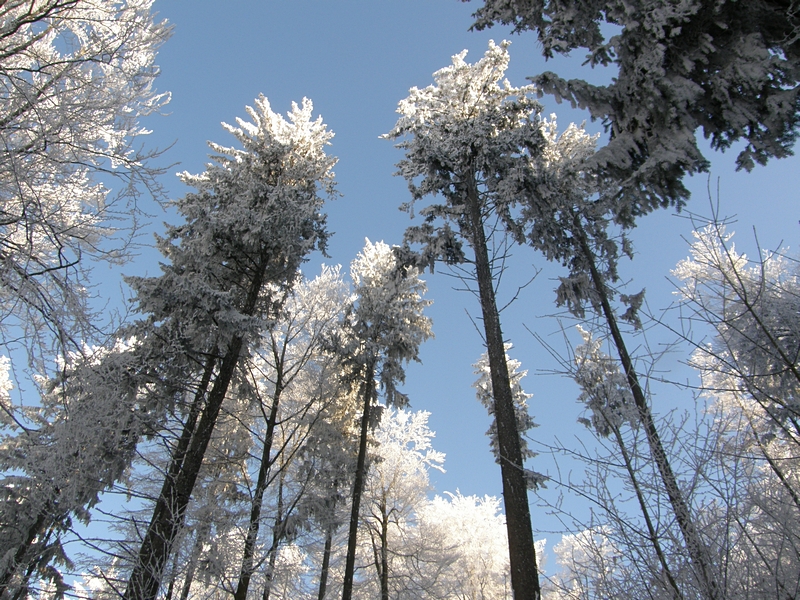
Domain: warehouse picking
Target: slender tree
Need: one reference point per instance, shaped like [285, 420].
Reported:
[383, 330]
[396, 486]
[467, 138]
[311, 311]
[568, 214]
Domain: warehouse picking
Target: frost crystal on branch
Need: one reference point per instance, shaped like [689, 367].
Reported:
[471, 121]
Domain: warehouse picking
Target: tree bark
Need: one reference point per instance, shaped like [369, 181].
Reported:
[277, 536]
[384, 569]
[522, 553]
[368, 386]
[326, 563]
[698, 553]
[258, 497]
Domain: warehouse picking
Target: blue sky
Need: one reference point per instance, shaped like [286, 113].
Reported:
[356, 60]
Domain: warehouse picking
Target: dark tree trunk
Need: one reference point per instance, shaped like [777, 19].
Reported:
[171, 505]
[522, 554]
[384, 555]
[326, 563]
[698, 553]
[277, 536]
[258, 498]
[368, 386]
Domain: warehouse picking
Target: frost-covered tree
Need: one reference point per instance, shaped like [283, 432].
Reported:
[590, 568]
[312, 309]
[569, 214]
[483, 391]
[396, 486]
[382, 331]
[748, 371]
[75, 79]
[76, 444]
[471, 138]
[252, 221]
[329, 457]
[611, 408]
[753, 309]
[728, 68]
[465, 550]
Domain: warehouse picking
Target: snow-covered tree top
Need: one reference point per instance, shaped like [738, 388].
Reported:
[466, 122]
[300, 137]
[386, 325]
[728, 67]
[257, 206]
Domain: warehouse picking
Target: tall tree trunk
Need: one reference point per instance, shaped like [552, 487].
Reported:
[171, 505]
[277, 536]
[368, 385]
[384, 556]
[258, 497]
[522, 554]
[698, 553]
[326, 563]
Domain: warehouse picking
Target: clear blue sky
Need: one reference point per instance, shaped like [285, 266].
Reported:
[356, 60]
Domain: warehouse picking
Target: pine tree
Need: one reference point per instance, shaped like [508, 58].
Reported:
[728, 67]
[252, 221]
[471, 137]
[383, 329]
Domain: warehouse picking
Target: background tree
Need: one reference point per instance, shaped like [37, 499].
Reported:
[383, 329]
[483, 391]
[308, 316]
[748, 371]
[396, 486]
[465, 550]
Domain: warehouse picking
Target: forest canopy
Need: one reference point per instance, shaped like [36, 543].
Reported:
[241, 416]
